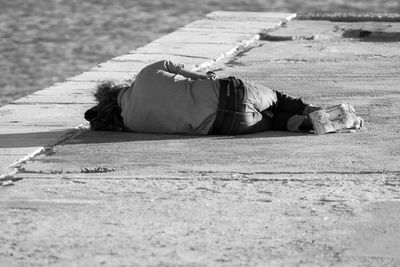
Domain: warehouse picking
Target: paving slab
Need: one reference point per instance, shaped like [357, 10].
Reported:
[40, 115]
[234, 27]
[267, 199]
[104, 76]
[120, 66]
[148, 58]
[202, 50]
[62, 93]
[250, 16]
[205, 37]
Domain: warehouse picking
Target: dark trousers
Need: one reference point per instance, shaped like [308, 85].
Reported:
[232, 117]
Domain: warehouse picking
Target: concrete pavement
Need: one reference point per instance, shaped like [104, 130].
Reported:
[47, 117]
[268, 199]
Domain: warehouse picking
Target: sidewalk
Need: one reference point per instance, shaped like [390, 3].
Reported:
[58, 109]
[268, 199]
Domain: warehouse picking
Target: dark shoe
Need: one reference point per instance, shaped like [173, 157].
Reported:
[310, 108]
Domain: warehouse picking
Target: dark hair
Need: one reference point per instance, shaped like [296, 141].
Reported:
[106, 115]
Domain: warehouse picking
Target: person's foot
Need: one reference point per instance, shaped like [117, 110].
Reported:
[310, 108]
[306, 125]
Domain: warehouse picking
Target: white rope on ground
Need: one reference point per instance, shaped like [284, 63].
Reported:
[241, 47]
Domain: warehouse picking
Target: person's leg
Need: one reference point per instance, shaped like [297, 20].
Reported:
[291, 114]
[258, 97]
[234, 123]
[289, 104]
[295, 105]
[280, 121]
[237, 113]
[257, 109]
[254, 123]
[284, 121]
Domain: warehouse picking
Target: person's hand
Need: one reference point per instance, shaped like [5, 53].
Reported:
[211, 75]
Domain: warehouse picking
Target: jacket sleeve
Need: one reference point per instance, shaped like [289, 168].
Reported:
[166, 65]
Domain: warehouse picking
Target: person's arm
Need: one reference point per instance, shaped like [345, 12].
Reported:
[192, 75]
[180, 69]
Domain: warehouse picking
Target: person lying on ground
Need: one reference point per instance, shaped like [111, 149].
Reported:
[166, 98]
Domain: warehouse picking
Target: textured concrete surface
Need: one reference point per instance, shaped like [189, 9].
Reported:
[268, 199]
[57, 110]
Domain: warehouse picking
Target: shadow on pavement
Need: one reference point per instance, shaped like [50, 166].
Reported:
[114, 137]
[39, 139]
[31, 139]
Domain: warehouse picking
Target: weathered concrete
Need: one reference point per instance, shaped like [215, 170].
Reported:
[268, 199]
[62, 93]
[58, 109]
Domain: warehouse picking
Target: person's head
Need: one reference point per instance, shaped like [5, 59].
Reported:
[106, 115]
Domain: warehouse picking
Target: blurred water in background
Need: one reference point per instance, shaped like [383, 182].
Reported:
[45, 41]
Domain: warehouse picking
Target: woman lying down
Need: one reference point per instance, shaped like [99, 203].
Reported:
[166, 98]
